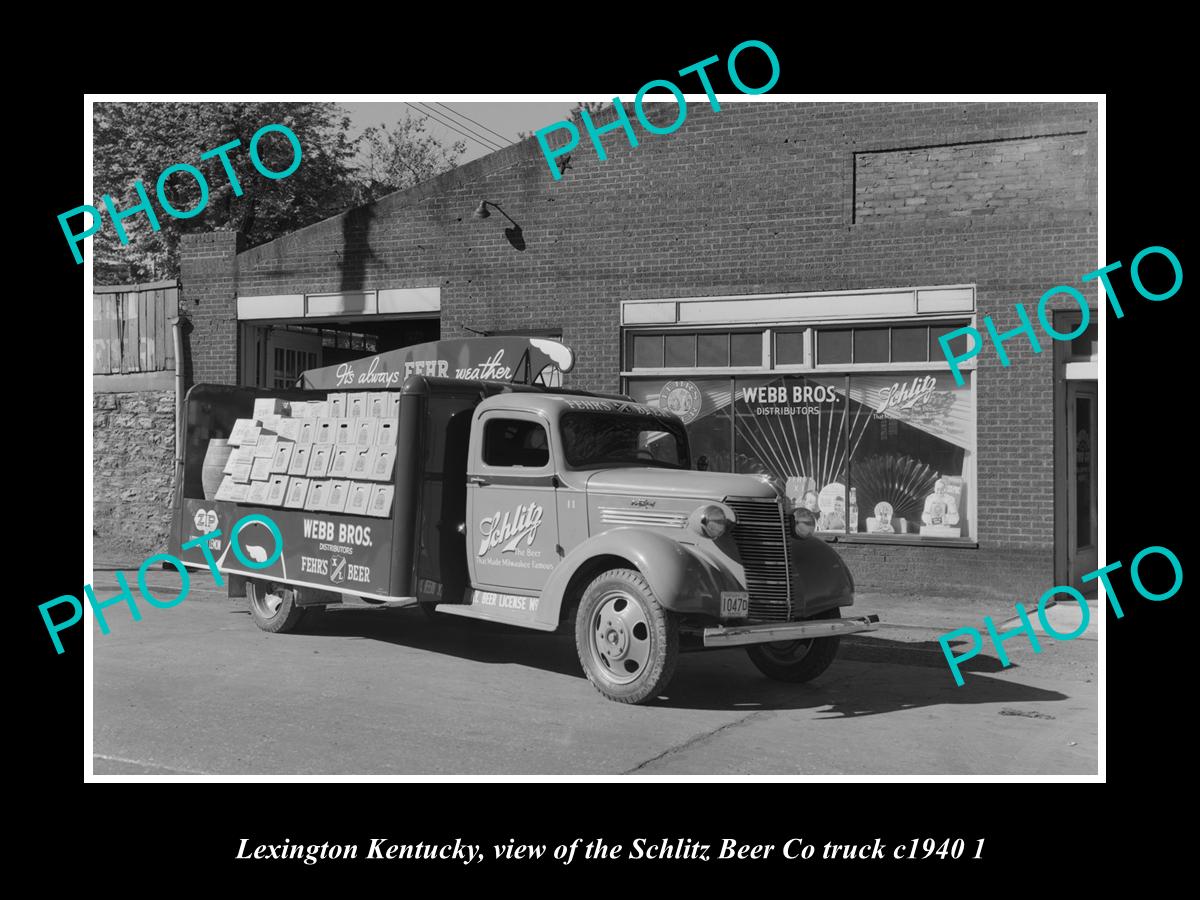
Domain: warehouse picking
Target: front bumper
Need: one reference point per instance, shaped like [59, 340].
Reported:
[738, 635]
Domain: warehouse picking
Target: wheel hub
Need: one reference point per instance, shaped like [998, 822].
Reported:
[621, 637]
[613, 639]
[268, 600]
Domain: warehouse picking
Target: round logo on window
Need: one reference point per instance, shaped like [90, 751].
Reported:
[682, 398]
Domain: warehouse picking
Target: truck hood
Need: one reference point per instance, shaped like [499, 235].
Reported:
[648, 481]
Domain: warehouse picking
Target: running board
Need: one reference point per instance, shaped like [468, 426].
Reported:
[474, 612]
[738, 635]
[354, 601]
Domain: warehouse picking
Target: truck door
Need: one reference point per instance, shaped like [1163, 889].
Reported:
[512, 523]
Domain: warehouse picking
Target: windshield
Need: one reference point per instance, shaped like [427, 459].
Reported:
[592, 439]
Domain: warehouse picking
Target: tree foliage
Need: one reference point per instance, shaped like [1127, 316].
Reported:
[136, 141]
[594, 108]
[398, 158]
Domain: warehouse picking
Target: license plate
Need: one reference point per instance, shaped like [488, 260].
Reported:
[735, 604]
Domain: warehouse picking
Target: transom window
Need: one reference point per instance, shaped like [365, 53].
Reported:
[885, 344]
[794, 347]
[703, 350]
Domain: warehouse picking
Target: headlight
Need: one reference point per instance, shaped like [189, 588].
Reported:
[710, 521]
[804, 522]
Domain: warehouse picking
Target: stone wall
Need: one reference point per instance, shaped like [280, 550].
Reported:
[133, 453]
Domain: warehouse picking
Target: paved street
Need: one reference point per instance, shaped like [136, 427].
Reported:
[198, 689]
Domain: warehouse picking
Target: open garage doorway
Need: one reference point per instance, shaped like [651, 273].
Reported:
[274, 353]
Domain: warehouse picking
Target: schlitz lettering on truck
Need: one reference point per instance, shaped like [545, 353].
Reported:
[514, 550]
[331, 551]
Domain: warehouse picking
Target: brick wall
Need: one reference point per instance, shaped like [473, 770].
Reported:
[922, 571]
[208, 273]
[132, 469]
[976, 179]
[758, 198]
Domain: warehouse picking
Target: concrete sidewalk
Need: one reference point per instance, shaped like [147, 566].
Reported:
[942, 614]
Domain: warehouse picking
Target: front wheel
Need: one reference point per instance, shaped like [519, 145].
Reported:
[797, 661]
[628, 643]
[273, 606]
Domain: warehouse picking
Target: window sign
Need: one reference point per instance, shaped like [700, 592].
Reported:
[910, 467]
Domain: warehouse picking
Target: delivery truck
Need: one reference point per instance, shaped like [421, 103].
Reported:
[462, 476]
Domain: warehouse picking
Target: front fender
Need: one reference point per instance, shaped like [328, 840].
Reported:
[684, 578]
[820, 577]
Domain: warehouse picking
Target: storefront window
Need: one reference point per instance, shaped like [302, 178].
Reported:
[887, 454]
[861, 423]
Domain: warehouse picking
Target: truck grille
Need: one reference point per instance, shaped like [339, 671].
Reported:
[761, 538]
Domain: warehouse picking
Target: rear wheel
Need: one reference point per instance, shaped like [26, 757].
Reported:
[797, 661]
[273, 606]
[628, 643]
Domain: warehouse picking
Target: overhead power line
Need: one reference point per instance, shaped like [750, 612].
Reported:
[502, 137]
[478, 139]
[442, 117]
[457, 131]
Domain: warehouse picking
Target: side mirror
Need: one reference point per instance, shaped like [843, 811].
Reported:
[804, 523]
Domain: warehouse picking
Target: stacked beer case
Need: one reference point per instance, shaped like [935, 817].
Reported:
[334, 455]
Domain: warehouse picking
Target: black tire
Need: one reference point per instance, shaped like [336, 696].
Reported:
[273, 606]
[797, 661]
[628, 643]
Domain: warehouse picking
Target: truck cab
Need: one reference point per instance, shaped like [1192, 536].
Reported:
[585, 512]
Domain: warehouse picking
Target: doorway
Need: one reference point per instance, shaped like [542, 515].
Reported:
[1081, 483]
[275, 352]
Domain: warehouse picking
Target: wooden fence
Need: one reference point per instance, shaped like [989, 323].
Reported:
[132, 327]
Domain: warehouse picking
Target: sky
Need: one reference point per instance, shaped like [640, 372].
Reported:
[506, 119]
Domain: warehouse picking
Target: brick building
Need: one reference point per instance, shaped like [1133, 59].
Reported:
[769, 270]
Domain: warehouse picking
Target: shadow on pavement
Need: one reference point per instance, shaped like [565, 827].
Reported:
[885, 687]
[484, 642]
[903, 675]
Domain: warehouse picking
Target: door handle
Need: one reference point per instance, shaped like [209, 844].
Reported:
[479, 480]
